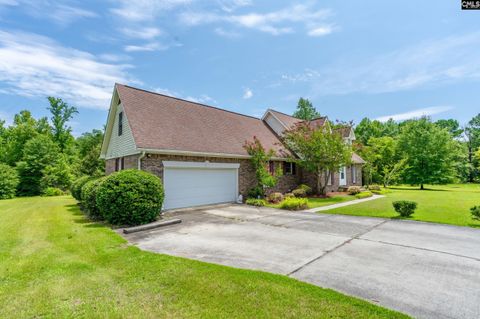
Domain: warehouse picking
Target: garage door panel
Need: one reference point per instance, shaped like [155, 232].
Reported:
[199, 186]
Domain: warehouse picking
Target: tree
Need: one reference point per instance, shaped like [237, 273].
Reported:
[58, 175]
[472, 134]
[386, 163]
[367, 129]
[61, 114]
[452, 126]
[8, 181]
[89, 146]
[260, 160]
[319, 151]
[428, 151]
[39, 152]
[306, 110]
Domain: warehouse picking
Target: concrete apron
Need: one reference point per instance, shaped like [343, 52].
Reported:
[425, 270]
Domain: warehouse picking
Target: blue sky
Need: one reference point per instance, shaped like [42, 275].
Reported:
[351, 58]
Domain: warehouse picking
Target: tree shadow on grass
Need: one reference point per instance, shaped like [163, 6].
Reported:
[84, 219]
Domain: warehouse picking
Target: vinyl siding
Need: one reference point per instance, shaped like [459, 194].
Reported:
[123, 145]
[274, 124]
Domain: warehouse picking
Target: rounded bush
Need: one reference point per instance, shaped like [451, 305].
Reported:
[365, 194]
[52, 191]
[374, 187]
[275, 198]
[354, 190]
[404, 207]
[299, 192]
[89, 198]
[255, 192]
[293, 203]
[76, 188]
[8, 181]
[130, 197]
[305, 187]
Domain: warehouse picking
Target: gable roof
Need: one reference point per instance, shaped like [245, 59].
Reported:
[287, 120]
[160, 122]
[344, 131]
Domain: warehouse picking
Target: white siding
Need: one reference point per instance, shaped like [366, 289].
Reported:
[274, 124]
[124, 144]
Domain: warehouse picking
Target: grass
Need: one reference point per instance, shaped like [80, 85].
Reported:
[314, 202]
[449, 204]
[57, 264]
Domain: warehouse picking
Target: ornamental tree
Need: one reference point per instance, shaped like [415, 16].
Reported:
[320, 151]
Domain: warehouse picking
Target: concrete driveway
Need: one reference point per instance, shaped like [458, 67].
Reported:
[425, 270]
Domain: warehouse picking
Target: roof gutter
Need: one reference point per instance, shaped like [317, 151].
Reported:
[204, 154]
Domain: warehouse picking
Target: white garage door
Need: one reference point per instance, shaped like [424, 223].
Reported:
[199, 183]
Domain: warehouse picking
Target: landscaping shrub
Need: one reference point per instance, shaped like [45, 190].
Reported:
[52, 191]
[293, 203]
[275, 198]
[256, 202]
[130, 197]
[8, 181]
[353, 190]
[363, 195]
[305, 187]
[475, 210]
[287, 195]
[374, 187]
[255, 192]
[404, 207]
[89, 198]
[76, 188]
[299, 192]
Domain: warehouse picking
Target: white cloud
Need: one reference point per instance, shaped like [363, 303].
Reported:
[166, 92]
[226, 33]
[152, 46]
[64, 14]
[202, 99]
[428, 111]
[36, 66]
[232, 5]
[275, 22]
[247, 94]
[320, 31]
[142, 10]
[147, 33]
[9, 3]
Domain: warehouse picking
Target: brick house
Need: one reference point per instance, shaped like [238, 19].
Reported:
[197, 150]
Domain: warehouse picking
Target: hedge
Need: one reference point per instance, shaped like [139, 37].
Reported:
[89, 198]
[76, 188]
[130, 197]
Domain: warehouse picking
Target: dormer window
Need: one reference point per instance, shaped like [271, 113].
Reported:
[120, 123]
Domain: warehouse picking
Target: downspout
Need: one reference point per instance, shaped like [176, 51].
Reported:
[139, 160]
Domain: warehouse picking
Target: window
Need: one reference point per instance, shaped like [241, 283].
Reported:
[120, 123]
[289, 168]
[119, 164]
[271, 167]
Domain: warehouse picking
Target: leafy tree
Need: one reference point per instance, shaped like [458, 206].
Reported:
[386, 163]
[428, 151]
[39, 152]
[260, 161]
[89, 146]
[57, 175]
[367, 129]
[16, 136]
[452, 126]
[61, 114]
[306, 110]
[472, 134]
[8, 181]
[320, 151]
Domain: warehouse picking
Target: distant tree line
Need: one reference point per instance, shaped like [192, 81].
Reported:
[42, 156]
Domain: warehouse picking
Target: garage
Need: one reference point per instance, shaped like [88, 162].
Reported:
[190, 184]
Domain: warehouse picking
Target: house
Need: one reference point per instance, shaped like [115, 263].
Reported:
[197, 150]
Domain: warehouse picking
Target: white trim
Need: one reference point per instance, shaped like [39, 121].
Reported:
[180, 164]
[203, 154]
[275, 117]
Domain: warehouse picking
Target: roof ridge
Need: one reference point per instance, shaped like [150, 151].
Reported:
[184, 100]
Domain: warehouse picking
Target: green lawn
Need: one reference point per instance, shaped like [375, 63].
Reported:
[319, 202]
[449, 204]
[56, 264]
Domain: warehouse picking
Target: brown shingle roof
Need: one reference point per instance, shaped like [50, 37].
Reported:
[356, 159]
[162, 122]
[344, 131]
[287, 120]
[318, 122]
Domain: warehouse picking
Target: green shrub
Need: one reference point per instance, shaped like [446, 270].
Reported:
[475, 210]
[76, 188]
[364, 195]
[305, 187]
[293, 203]
[374, 187]
[354, 190]
[404, 207]
[299, 192]
[287, 195]
[255, 192]
[89, 198]
[256, 202]
[379, 192]
[130, 197]
[8, 181]
[275, 198]
[52, 191]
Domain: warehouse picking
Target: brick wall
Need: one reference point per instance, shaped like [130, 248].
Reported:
[311, 179]
[130, 161]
